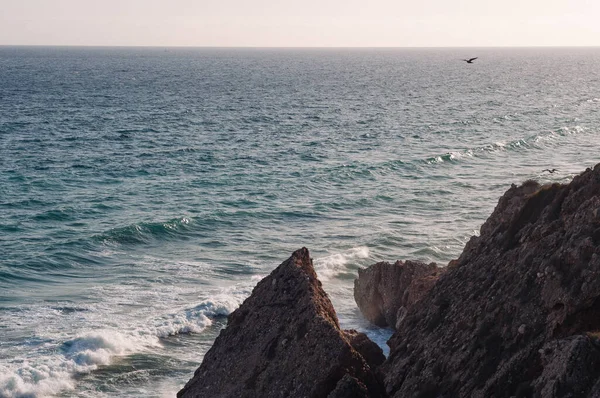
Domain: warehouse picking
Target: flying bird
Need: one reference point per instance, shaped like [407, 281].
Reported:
[470, 60]
[549, 171]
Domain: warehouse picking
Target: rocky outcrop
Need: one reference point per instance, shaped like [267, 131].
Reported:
[285, 341]
[516, 314]
[385, 292]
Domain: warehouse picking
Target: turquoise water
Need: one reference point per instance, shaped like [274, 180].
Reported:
[143, 192]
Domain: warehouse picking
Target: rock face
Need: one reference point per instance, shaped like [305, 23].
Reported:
[285, 341]
[384, 292]
[571, 368]
[517, 314]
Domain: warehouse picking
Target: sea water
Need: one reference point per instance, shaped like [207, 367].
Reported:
[145, 191]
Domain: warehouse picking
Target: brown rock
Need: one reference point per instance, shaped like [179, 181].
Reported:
[384, 292]
[284, 341]
[529, 281]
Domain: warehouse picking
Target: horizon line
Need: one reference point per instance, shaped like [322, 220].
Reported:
[290, 47]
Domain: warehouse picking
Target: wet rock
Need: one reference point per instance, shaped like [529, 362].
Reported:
[285, 341]
[384, 292]
[530, 280]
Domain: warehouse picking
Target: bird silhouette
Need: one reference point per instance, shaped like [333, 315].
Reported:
[470, 60]
[549, 171]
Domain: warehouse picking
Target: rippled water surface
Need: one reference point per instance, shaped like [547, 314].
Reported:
[143, 192]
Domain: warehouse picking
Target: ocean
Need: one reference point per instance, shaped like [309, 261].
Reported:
[145, 191]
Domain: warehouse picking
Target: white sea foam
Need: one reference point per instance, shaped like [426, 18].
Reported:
[573, 130]
[34, 380]
[50, 374]
[183, 324]
[335, 264]
[62, 354]
[195, 320]
[92, 349]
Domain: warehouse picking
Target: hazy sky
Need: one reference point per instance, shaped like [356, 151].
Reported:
[321, 23]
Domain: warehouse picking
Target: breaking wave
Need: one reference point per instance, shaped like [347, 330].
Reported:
[57, 369]
[339, 263]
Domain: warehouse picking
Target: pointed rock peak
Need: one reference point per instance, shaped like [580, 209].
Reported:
[285, 341]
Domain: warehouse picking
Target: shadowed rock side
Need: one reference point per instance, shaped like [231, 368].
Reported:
[518, 312]
[384, 292]
[285, 341]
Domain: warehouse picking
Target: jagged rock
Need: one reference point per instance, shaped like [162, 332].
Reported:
[285, 341]
[530, 280]
[384, 292]
[571, 366]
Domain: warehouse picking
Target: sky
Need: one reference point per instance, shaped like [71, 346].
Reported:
[301, 23]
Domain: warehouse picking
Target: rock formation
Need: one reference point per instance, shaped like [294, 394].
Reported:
[517, 314]
[285, 341]
[384, 292]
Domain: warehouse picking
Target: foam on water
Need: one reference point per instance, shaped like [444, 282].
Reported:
[333, 265]
[44, 380]
[195, 320]
[62, 357]
[96, 348]
[55, 371]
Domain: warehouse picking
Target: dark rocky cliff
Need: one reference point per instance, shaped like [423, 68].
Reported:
[517, 313]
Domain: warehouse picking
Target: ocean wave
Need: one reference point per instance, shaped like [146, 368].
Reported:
[92, 349]
[349, 172]
[556, 135]
[594, 100]
[198, 318]
[58, 365]
[34, 381]
[478, 151]
[447, 157]
[65, 214]
[539, 141]
[334, 265]
[145, 232]
[52, 374]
